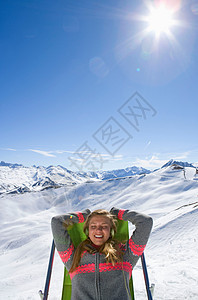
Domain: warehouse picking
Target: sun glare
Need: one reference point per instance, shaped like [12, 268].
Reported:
[160, 20]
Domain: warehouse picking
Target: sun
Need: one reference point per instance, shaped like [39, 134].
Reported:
[160, 20]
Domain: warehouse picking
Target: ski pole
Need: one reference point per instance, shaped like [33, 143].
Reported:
[149, 295]
[49, 272]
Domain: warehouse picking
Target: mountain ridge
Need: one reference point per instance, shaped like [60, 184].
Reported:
[179, 163]
[16, 178]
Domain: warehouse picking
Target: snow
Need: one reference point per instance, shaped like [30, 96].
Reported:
[15, 178]
[169, 195]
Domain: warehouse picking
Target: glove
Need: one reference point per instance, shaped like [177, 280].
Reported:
[79, 217]
[117, 212]
[76, 217]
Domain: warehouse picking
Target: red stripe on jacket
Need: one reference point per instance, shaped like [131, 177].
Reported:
[65, 255]
[136, 249]
[90, 268]
[103, 267]
[106, 267]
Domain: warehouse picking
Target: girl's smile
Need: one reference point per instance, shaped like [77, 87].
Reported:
[99, 230]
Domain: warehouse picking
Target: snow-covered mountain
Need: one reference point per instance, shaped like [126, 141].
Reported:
[169, 195]
[130, 171]
[176, 163]
[15, 178]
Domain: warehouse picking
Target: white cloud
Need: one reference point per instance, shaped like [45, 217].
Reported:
[184, 155]
[115, 158]
[157, 160]
[106, 157]
[45, 153]
[150, 163]
[147, 145]
[8, 149]
[63, 151]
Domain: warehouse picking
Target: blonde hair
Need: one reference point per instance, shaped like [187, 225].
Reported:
[110, 248]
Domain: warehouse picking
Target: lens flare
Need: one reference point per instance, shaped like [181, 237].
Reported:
[194, 8]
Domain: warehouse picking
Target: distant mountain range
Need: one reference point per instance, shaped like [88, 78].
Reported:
[16, 178]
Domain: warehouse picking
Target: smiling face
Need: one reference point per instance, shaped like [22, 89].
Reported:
[99, 230]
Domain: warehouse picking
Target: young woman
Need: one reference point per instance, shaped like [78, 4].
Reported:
[100, 267]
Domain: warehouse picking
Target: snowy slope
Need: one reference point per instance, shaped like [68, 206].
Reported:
[167, 194]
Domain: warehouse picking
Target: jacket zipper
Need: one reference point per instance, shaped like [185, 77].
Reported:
[97, 279]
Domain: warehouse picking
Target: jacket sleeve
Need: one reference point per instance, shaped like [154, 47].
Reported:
[143, 225]
[61, 236]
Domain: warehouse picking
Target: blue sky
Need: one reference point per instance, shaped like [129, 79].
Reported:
[75, 73]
